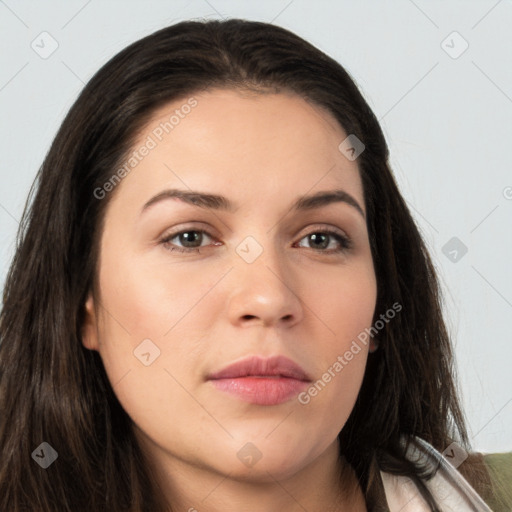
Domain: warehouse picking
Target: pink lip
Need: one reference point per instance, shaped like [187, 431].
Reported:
[262, 381]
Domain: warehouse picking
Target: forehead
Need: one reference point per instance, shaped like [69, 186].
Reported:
[268, 145]
[250, 118]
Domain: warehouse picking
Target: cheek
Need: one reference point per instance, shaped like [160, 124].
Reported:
[344, 306]
[343, 302]
[150, 298]
[151, 328]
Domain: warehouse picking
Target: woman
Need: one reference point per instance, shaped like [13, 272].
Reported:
[219, 298]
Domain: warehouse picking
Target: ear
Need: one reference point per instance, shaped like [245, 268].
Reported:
[90, 325]
[373, 346]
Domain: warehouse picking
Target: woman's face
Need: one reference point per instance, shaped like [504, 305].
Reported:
[262, 278]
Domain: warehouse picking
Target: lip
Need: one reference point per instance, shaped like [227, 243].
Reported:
[262, 381]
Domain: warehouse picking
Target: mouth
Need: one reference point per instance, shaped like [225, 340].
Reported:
[262, 381]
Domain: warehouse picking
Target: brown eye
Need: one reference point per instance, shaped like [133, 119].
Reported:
[189, 240]
[321, 241]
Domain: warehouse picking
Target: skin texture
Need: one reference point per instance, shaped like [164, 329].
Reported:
[208, 309]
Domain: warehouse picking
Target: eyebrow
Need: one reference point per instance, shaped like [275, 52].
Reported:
[219, 202]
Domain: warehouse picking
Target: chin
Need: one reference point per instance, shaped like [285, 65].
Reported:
[264, 460]
[266, 470]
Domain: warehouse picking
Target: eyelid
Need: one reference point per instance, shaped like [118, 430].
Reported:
[195, 226]
[319, 226]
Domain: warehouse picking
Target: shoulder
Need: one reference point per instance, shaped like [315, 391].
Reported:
[450, 489]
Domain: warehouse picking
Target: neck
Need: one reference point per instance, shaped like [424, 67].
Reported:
[326, 484]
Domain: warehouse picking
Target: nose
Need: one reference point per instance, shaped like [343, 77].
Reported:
[265, 293]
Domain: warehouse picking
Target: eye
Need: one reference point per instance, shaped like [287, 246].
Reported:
[322, 239]
[190, 239]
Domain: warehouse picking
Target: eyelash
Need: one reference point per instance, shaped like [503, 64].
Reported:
[344, 241]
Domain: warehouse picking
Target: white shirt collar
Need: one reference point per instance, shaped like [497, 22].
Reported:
[450, 489]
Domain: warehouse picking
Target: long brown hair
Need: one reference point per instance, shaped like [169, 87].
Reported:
[54, 390]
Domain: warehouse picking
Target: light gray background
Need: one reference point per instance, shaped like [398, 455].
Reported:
[447, 118]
